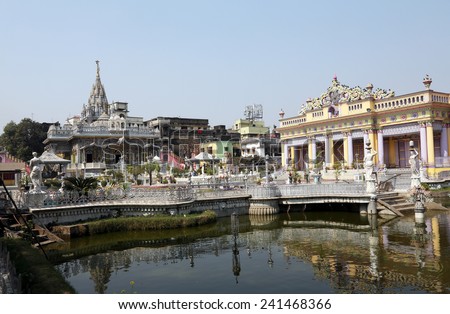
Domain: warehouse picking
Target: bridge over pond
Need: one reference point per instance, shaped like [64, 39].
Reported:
[54, 207]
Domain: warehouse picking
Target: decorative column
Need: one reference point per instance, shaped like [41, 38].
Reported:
[444, 140]
[423, 142]
[392, 151]
[380, 148]
[312, 151]
[350, 148]
[345, 142]
[310, 154]
[372, 141]
[397, 154]
[292, 164]
[430, 145]
[313, 148]
[327, 150]
[331, 143]
[448, 136]
[285, 155]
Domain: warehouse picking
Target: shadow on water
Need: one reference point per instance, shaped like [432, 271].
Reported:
[295, 252]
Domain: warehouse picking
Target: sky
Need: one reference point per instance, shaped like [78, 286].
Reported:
[211, 59]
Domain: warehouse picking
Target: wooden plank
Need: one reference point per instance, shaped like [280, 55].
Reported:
[390, 207]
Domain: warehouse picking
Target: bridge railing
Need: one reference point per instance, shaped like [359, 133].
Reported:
[186, 193]
[219, 193]
[338, 189]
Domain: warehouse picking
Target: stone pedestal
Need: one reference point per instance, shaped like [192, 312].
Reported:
[35, 199]
[372, 207]
[415, 181]
[371, 189]
[316, 178]
[263, 207]
[419, 210]
[363, 209]
[371, 186]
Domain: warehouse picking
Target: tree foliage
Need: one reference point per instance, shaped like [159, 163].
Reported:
[82, 185]
[24, 138]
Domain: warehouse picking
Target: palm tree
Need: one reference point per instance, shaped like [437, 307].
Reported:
[82, 185]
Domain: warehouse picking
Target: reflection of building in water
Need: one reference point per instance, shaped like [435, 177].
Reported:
[404, 254]
[366, 262]
[262, 220]
[236, 258]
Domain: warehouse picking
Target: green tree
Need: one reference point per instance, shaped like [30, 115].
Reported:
[149, 168]
[135, 171]
[24, 138]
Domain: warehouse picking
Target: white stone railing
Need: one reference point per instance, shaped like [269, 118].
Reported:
[106, 131]
[87, 165]
[438, 97]
[172, 194]
[214, 194]
[328, 189]
[442, 162]
[401, 101]
[179, 194]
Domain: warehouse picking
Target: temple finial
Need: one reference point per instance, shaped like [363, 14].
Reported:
[98, 68]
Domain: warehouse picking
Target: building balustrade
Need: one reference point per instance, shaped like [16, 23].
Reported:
[87, 165]
[442, 162]
[379, 105]
[102, 131]
[401, 101]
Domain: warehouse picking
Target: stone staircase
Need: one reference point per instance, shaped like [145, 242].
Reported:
[393, 203]
[16, 227]
[397, 179]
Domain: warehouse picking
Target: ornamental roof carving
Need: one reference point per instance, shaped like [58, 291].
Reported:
[339, 93]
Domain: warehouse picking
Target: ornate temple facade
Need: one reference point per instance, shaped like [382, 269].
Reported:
[336, 127]
[103, 136]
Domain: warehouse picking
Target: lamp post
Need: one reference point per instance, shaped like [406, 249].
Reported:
[123, 163]
[267, 169]
[214, 178]
[245, 181]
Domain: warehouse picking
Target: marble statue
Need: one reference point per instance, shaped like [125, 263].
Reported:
[35, 176]
[36, 172]
[413, 160]
[368, 162]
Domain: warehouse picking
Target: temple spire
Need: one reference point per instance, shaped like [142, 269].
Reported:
[97, 104]
[98, 68]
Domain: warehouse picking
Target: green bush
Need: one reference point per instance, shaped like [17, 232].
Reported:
[52, 184]
[157, 222]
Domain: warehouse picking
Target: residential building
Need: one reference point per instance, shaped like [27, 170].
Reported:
[11, 169]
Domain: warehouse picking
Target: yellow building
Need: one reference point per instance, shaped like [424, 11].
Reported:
[335, 128]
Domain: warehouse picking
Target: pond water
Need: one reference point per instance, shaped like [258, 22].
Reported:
[301, 252]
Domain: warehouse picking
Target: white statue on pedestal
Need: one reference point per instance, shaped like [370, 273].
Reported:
[35, 176]
[368, 162]
[36, 172]
[413, 162]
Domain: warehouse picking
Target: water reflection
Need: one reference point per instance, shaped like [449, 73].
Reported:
[322, 252]
[236, 258]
